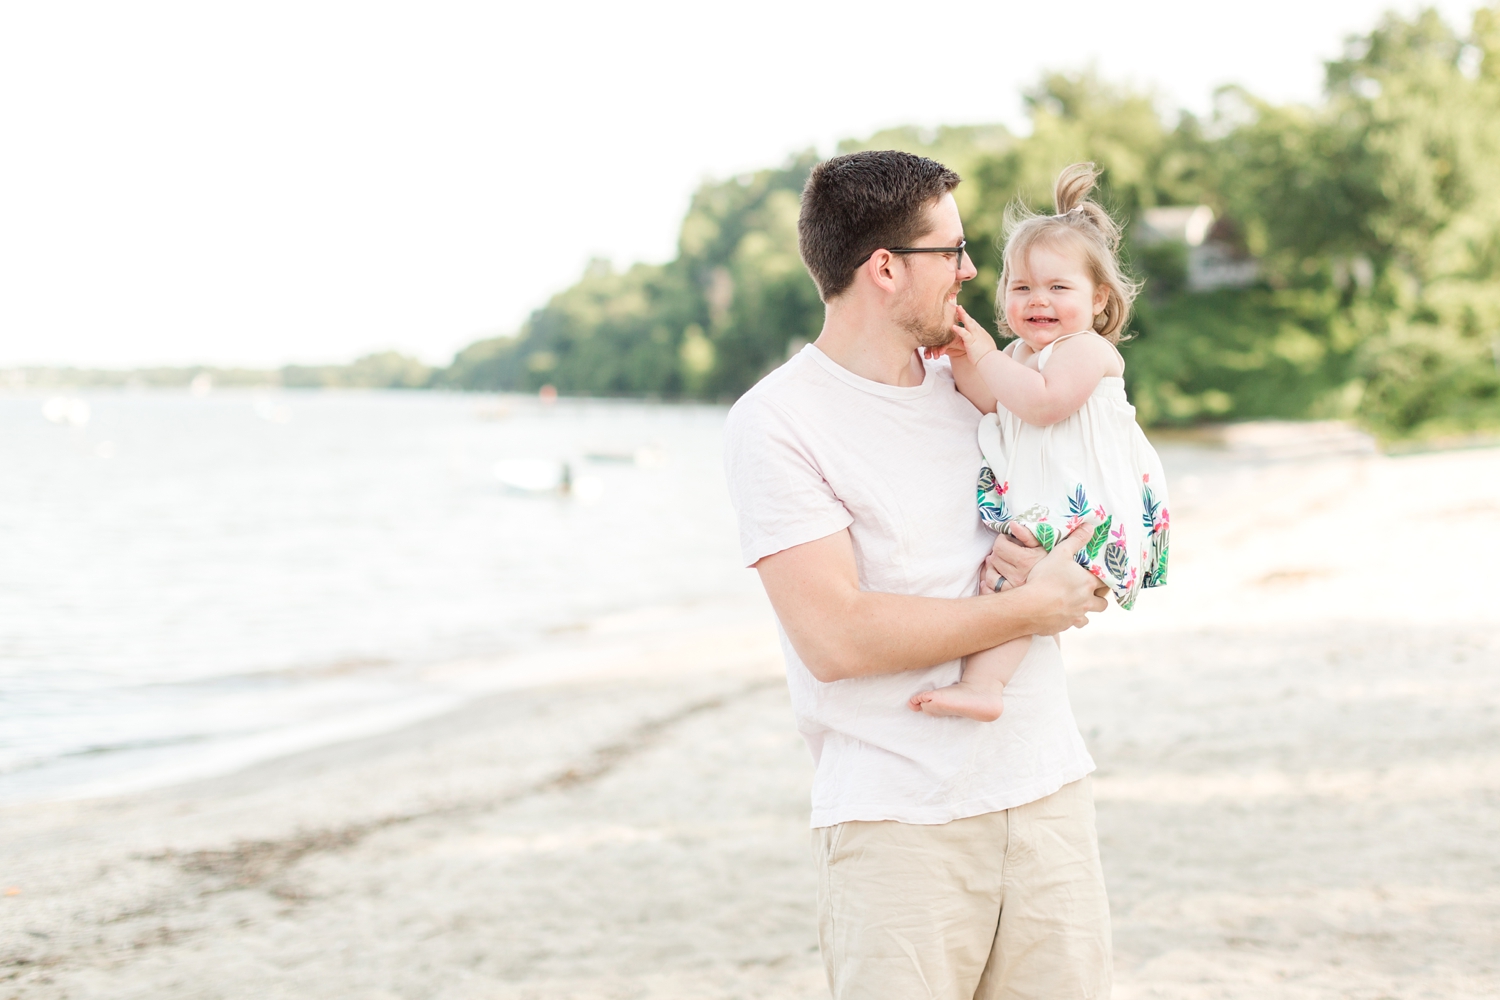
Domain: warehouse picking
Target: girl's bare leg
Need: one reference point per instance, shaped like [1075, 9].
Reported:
[977, 695]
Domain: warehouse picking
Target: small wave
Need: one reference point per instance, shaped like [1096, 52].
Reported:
[344, 667]
[101, 749]
[152, 744]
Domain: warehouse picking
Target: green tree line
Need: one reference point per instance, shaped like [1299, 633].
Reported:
[381, 370]
[1373, 218]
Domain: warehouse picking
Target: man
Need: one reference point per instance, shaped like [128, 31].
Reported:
[957, 859]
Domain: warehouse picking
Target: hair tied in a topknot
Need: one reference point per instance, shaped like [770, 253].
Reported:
[1082, 226]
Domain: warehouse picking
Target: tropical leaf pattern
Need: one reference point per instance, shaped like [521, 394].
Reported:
[1078, 503]
[1063, 480]
[1116, 561]
[1107, 554]
[1150, 506]
[992, 510]
[1101, 535]
[1156, 559]
[1158, 523]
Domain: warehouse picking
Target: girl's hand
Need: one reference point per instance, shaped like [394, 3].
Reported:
[952, 349]
[976, 342]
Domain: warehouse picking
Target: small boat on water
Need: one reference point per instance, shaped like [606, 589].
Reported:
[534, 475]
[645, 458]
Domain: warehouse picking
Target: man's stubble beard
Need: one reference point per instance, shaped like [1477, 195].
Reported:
[929, 326]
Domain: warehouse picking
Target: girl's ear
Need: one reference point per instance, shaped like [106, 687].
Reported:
[1101, 298]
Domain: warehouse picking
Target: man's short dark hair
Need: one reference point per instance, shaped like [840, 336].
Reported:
[861, 202]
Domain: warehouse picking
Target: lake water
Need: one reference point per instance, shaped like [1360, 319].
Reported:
[188, 583]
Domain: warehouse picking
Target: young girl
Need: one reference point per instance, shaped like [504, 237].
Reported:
[1062, 450]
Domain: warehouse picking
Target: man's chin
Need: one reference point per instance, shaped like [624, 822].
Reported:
[938, 338]
[939, 334]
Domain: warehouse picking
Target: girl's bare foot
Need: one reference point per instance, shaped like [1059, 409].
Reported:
[981, 703]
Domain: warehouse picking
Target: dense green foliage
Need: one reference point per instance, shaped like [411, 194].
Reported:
[708, 324]
[1375, 217]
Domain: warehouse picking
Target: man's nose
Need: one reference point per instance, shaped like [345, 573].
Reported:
[968, 270]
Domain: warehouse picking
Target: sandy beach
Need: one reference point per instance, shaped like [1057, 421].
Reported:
[1299, 793]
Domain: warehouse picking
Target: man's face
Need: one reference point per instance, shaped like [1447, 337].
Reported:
[926, 308]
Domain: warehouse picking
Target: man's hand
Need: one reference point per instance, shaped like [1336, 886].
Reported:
[1011, 562]
[1065, 592]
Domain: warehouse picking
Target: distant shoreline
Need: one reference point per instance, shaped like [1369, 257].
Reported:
[384, 370]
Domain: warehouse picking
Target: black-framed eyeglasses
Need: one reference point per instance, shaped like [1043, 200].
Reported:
[958, 250]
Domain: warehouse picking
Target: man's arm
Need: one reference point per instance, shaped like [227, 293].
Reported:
[840, 631]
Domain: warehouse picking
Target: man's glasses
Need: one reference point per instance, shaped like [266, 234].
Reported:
[958, 250]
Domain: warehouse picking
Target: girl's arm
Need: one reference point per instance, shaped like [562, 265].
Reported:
[966, 378]
[965, 375]
[1036, 397]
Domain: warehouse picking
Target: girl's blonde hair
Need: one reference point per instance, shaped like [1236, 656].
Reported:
[1080, 224]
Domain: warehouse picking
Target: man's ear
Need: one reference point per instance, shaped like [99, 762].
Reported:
[881, 267]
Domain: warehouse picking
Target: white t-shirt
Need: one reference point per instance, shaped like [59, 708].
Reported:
[813, 449]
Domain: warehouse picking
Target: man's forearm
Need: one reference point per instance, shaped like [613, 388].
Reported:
[840, 631]
[890, 633]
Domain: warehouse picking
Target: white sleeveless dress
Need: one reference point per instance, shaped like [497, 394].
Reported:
[1093, 470]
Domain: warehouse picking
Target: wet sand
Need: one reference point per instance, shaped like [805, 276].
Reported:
[1299, 795]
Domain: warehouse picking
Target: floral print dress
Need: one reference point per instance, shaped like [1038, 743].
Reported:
[1093, 470]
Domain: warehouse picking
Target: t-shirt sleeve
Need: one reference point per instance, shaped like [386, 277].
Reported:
[776, 487]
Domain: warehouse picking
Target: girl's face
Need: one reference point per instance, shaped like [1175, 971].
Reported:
[1050, 294]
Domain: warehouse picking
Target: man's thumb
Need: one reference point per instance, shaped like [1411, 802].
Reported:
[1077, 540]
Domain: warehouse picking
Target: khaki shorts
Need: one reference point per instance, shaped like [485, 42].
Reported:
[1005, 905]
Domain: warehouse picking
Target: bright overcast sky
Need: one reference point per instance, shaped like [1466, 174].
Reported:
[264, 182]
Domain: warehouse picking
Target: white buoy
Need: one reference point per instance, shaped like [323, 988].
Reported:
[64, 410]
[268, 409]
